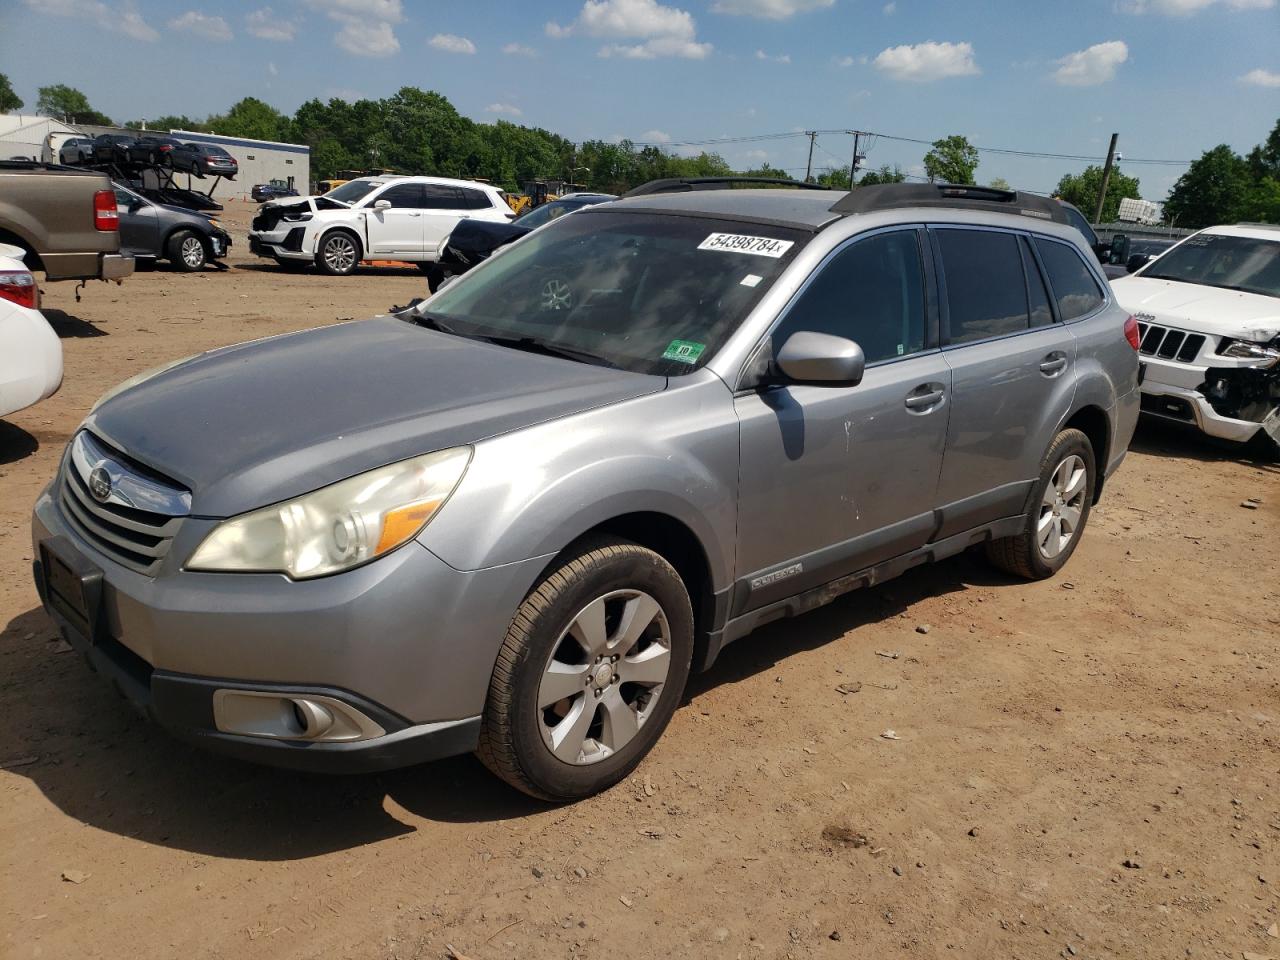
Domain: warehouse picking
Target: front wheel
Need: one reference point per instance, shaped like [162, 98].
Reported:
[592, 668]
[434, 273]
[1056, 514]
[339, 254]
[186, 251]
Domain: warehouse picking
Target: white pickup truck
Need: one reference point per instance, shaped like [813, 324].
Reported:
[373, 218]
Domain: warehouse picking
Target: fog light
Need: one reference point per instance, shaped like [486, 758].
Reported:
[313, 720]
[312, 717]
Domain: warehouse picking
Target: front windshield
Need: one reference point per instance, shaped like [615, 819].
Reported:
[645, 292]
[1217, 260]
[353, 191]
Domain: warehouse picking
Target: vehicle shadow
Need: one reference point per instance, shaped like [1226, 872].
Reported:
[67, 326]
[1160, 438]
[15, 443]
[99, 763]
[305, 268]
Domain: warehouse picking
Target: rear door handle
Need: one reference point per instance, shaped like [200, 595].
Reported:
[922, 402]
[1053, 364]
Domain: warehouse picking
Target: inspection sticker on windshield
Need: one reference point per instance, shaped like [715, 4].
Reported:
[685, 351]
[739, 243]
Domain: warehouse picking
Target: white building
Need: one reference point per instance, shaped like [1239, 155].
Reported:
[261, 161]
[29, 137]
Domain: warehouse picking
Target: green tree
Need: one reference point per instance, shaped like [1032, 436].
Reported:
[952, 160]
[1081, 190]
[886, 174]
[1264, 159]
[999, 183]
[1261, 204]
[10, 102]
[1213, 190]
[167, 123]
[254, 119]
[69, 105]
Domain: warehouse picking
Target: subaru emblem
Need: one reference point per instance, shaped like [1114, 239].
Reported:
[100, 484]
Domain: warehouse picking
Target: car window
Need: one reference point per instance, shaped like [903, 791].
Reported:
[986, 288]
[1249, 264]
[1041, 314]
[871, 292]
[1077, 220]
[439, 197]
[546, 213]
[650, 293]
[1072, 282]
[403, 195]
[474, 199]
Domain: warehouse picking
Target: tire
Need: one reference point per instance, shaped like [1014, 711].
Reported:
[567, 749]
[434, 273]
[186, 251]
[339, 253]
[1056, 514]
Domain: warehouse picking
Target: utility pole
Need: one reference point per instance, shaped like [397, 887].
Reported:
[808, 169]
[1106, 178]
[857, 157]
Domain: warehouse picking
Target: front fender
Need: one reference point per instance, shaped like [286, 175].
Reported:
[533, 492]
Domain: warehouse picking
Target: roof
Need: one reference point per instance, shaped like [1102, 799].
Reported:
[808, 209]
[447, 181]
[1255, 231]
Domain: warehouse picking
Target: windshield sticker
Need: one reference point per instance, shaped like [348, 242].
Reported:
[684, 351]
[750, 280]
[738, 243]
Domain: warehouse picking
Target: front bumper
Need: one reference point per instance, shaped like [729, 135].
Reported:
[283, 244]
[1170, 391]
[407, 641]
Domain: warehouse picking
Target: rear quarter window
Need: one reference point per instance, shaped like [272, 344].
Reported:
[1074, 288]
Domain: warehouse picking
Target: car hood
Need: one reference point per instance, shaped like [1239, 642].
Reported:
[257, 423]
[1200, 308]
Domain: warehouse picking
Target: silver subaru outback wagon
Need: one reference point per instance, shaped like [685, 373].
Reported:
[514, 518]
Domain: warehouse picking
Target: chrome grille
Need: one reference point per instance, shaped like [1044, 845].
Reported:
[135, 522]
[1169, 344]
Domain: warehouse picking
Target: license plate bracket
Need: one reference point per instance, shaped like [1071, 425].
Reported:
[72, 587]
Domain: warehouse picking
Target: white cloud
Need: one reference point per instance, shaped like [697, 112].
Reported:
[365, 26]
[1091, 66]
[1184, 8]
[757, 155]
[265, 25]
[656, 30]
[923, 62]
[124, 19]
[272, 68]
[509, 109]
[201, 25]
[890, 8]
[779, 58]
[452, 43]
[848, 61]
[654, 136]
[1261, 78]
[519, 50]
[769, 9]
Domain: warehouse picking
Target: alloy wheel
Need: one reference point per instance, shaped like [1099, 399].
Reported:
[192, 252]
[339, 253]
[1062, 506]
[556, 295]
[604, 677]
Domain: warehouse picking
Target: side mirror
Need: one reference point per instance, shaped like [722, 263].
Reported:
[820, 358]
[382, 205]
[1137, 262]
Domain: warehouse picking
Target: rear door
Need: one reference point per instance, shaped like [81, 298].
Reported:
[1013, 366]
[445, 206]
[397, 230]
[834, 479]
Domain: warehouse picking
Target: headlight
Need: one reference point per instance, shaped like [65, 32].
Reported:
[142, 377]
[296, 217]
[1244, 350]
[337, 527]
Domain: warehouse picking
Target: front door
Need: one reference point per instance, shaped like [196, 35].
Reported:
[139, 225]
[835, 479]
[1014, 369]
[396, 230]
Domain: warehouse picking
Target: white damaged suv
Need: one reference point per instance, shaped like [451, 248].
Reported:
[1208, 313]
[373, 218]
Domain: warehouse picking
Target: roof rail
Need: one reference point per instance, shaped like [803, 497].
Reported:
[888, 196]
[686, 184]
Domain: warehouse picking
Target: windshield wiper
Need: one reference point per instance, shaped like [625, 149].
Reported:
[533, 345]
[432, 321]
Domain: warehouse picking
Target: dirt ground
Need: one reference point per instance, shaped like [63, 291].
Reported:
[1085, 767]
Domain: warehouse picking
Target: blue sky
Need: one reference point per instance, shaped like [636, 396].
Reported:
[1173, 77]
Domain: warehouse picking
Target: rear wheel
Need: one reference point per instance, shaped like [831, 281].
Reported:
[1056, 513]
[339, 253]
[592, 668]
[186, 251]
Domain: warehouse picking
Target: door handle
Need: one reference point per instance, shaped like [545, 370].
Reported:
[415, 214]
[922, 402]
[1053, 364]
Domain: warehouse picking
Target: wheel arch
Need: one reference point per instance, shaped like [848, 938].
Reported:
[32, 259]
[1094, 423]
[328, 229]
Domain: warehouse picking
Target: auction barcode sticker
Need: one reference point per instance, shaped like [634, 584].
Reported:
[738, 243]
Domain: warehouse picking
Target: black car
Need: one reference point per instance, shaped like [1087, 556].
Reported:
[204, 160]
[112, 148]
[154, 149]
[474, 241]
[274, 190]
[157, 231]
